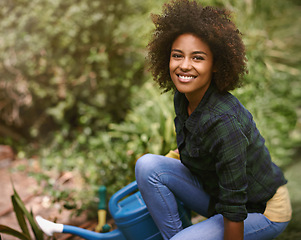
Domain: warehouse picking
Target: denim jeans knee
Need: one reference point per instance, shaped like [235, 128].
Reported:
[145, 167]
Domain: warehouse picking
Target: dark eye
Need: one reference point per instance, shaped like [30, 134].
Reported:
[199, 58]
[176, 55]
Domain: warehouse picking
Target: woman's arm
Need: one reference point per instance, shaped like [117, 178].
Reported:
[233, 230]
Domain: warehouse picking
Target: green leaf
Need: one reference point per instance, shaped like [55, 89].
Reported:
[20, 216]
[36, 230]
[12, 232]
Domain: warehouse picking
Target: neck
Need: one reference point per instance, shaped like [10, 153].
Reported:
[191, 108]
[192, 104]
[194, 98]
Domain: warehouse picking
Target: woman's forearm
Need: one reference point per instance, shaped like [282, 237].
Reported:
[233, 230]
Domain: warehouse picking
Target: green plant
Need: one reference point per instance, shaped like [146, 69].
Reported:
[272, 89]
[22, 214]
[67, 65]
[149, 126]
[108, 157]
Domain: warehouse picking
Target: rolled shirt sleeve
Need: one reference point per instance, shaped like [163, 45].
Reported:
[229, 143]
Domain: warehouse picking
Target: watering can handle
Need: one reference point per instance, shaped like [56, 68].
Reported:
[113, 203]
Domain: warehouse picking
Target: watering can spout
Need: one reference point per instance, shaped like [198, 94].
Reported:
[49, 228]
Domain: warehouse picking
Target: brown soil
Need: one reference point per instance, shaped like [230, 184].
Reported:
[16, 172]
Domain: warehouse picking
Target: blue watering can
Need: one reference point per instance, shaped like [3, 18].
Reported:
[131, 217]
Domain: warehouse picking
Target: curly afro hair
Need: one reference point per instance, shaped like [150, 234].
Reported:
[211, 25]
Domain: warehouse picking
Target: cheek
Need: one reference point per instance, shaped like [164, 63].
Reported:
[172, 65]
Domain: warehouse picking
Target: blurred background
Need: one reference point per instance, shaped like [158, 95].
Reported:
[76, 98]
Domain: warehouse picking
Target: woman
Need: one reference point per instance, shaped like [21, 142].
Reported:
[225, 172]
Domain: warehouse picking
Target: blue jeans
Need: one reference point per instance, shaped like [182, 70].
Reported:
[161, 180]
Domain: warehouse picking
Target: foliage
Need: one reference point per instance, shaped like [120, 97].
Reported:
[22, 214]
[149, 126]
[108, 158]
[65, 65]
[293, 230]
[272, 90]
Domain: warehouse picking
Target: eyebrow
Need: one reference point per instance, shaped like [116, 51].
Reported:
[195, 52]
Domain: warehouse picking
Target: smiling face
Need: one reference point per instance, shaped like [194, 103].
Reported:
[191, 66]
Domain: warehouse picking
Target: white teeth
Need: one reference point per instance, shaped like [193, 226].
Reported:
[186, 77]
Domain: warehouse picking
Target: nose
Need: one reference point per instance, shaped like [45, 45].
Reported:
[185, 64]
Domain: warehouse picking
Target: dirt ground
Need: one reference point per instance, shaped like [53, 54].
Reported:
[13, 171]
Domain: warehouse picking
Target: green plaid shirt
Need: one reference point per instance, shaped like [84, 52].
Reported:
[219, 142]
